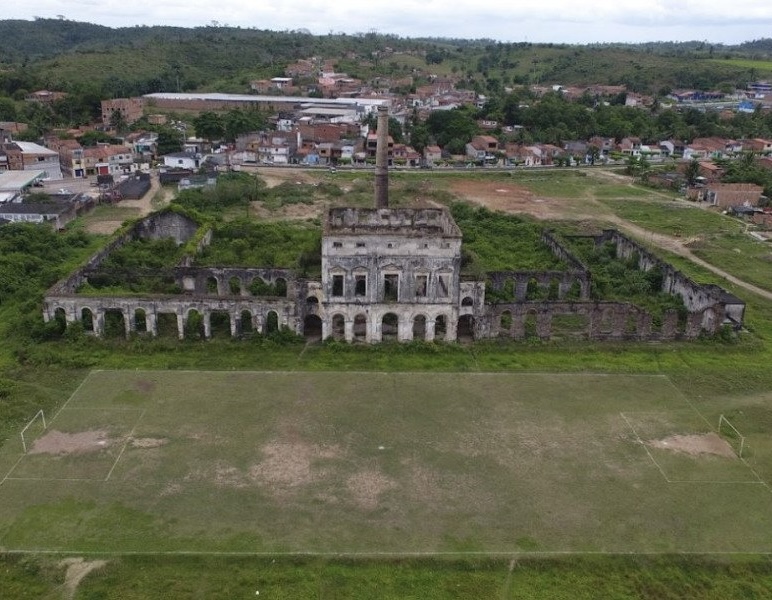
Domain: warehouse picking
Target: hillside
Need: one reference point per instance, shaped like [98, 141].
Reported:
[68, 55]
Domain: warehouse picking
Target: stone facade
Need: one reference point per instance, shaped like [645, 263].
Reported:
[392, 274]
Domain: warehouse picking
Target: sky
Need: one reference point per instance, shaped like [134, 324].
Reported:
[560, 21]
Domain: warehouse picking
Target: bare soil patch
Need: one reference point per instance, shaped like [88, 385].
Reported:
[367, 486]
[77, 569]
[508, 197]
[695, 445]
[83, 442]
[103, 227]
[148, 442]
[144, 386]
[290, 464]
[299, 212]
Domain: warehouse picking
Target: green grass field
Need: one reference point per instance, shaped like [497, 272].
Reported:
[381, 463]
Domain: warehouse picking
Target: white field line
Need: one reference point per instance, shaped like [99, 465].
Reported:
[106, 408]
[75, 393]
[126, 443]
[52, 479]
[645, 447]
[50, 422]
[464, 373]
[12, 469]
[389, 554]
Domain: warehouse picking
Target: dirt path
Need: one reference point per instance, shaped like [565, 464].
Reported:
[145, 204]
[77, 569]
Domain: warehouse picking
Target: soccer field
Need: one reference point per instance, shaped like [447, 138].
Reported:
[392, 463]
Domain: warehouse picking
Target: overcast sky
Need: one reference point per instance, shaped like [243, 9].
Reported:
[569, 21]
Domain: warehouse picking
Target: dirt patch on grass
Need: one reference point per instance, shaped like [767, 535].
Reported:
[695, 445]
[144, 386]
[288, 465]
[148, 442]
[83, 442]
[103, 227]
[366, 488]
[508, 197]
[77, 569]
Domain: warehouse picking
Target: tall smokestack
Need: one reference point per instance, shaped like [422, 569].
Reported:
[382, 159]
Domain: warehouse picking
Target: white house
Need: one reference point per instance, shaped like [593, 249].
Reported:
[181, 160]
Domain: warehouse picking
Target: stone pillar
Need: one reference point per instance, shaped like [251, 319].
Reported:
[207, 324]
[259, 323]
[128, 322]
[404, 329]
[452, 334]
[180, 326]
[151, 323]
[98, 320]
[235, 321]
[430, 329]
[348, 330]
[373, 334]
[325, 329]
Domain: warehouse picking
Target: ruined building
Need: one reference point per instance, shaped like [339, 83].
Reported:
[393, 274]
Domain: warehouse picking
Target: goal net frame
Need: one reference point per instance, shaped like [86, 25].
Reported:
[722, 420]
[40, 414]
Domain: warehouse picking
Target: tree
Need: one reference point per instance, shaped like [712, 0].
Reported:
[169, 140]
[8, 110]
[118, 121]
[691, 172]
[209, 125]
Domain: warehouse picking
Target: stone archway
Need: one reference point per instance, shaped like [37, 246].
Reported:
[465, 329]
[419, 328]
[312, 328]
[390, 328]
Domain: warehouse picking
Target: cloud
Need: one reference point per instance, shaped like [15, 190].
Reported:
[569, 21]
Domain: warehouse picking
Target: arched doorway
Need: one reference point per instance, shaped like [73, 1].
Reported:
[338, 327]
[360, 328]
[465, 330]
[271, 323]
[87, 318]
[389, 328]
[419, 328]
[247, 327]
[312, 328]
[440, 328]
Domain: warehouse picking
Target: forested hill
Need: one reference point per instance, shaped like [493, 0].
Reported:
[70, 56]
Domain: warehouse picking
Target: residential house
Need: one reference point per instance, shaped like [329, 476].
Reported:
[371, 143]
[482, 148]
[757, 146]
[630, 146]
[406, 155]
[605, 145]
[109, 159]
[181, 160]
[28, 156]
[526, 156]
[70, 156]
[432, 154]
[9, 128]
[725, 195]
[45, 96]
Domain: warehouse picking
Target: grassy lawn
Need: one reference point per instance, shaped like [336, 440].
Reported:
[741, 255]
[380, 463]
[674, 218]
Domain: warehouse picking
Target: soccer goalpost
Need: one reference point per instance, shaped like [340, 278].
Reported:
[727, 430]
[40, 414]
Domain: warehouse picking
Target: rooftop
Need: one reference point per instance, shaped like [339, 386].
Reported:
[433, 222]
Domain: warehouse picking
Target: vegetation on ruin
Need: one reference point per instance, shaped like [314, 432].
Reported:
[500, 242]
[245, 242]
